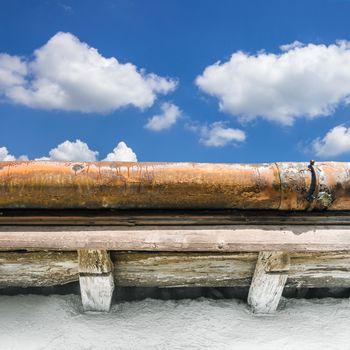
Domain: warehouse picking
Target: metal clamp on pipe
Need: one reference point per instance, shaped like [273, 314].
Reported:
[314, 187]
[311, 194]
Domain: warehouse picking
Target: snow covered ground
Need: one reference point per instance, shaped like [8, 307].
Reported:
[56, 322]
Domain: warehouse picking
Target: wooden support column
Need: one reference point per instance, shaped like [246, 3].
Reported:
[268, 281]
[96, 279]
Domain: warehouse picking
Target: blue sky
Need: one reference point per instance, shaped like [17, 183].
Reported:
[270, 111]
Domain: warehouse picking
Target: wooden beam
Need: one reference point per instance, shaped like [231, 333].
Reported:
[37, 268]
[170, 217]
[229, 238]
[152, 269]
[268, 282]
[184, 269]
[96, 279]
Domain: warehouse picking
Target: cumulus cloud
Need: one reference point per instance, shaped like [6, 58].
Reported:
[334, 143]
[77, 151]
[67, 74]
[72, 151]
[217, 134]
[170, 114]
[12, 72]
[300, 81]
[6, 156]
[122, 153]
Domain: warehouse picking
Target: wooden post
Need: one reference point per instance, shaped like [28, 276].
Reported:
[96, 279]
[268, 281]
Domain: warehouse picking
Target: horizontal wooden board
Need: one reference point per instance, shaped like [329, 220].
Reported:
[37, 269]
[231, 238]
[47, 268]
[183, 269]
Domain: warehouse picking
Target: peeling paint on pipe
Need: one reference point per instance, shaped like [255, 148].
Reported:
[123, 185]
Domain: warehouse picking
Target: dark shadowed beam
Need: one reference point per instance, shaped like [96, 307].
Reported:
[171, 217]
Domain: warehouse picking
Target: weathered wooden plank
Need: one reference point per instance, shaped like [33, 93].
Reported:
[47, 268]
[179, 238]
[170, 217]
[92, 261]
[183, 269]
[37, 269]
[266, 289]
[96, 279]
[319, 269]
[307, 269]
[96, 292]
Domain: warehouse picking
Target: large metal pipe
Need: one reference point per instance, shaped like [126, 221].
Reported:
[123, 185]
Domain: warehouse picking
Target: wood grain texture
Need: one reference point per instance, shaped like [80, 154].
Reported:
[183, 269]
[94, 261]
[146, 269]
[37, 269]
[96, 292]
[231, 238]
[96, 279]
[266, 289]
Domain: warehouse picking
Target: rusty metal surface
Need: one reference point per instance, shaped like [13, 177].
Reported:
[121, 185]
[332, 187]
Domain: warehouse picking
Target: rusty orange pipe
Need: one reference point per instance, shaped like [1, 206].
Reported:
[122, 185]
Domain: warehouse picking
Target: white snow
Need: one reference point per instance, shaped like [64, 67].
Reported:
[57, 322]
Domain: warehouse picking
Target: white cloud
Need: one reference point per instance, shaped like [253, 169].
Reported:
[218, 134]
[23, 157]
[77, 151]
[334, 143]
[291, 46]
[6, 156]
[170, 114]
[12, 72]
[122, 153]
[301, 81]
[72, 151]
[67, 74]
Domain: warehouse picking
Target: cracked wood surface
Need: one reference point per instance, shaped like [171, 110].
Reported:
[94, 261]
[142, 269]
[266, 289]
[96, 279]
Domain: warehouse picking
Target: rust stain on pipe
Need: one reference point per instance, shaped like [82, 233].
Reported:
[123, 185]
